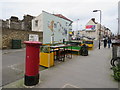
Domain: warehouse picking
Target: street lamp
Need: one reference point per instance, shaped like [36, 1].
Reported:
[118, 25]
[100, 25]
[77, 23]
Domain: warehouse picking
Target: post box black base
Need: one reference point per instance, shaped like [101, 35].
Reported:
[31, 80]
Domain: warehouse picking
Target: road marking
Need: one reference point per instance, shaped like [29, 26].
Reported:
[70, 85]
[14, 67]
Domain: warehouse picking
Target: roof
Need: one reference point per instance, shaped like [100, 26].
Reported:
[61, 16]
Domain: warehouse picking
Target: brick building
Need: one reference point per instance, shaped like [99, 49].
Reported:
[15, 23]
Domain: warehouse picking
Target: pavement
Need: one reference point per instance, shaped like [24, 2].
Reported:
[91, 71]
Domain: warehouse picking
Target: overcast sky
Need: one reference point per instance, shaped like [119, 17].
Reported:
[72, 9]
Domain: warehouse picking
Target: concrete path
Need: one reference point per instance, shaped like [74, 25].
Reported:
[91, 71]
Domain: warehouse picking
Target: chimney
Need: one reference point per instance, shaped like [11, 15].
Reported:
[14, 18]
[93, 19]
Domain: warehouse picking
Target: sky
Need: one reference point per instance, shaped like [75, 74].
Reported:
[72, 9]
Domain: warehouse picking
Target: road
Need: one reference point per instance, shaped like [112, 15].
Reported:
[12, 66]
[13, 63]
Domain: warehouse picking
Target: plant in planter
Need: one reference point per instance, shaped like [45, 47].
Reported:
[116, 70]
[45, 49]
[46, 57]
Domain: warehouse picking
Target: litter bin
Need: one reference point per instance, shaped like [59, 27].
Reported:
[84, 50]
[16, 44]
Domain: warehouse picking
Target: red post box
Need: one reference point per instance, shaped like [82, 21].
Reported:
[32, 63]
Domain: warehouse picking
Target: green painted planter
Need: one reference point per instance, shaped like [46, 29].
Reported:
[75, 47]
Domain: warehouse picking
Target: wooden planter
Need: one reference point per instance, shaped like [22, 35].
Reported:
[46, 59]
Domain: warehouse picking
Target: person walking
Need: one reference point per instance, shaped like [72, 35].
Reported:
[105, 42]
[109, 42]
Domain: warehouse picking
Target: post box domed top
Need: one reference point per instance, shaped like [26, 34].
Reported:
[33, 42]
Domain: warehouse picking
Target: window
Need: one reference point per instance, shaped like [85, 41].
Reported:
[36, 23]
[66, 23]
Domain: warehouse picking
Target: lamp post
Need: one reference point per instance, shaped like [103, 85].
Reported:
[118, 26]
[77, 29]
[100, 25]
[77, 24]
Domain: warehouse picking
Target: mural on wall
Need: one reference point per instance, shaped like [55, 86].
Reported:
[90, 27]
[59, 26]
[52, 25]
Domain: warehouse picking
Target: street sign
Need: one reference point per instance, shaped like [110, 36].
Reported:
[33, 37]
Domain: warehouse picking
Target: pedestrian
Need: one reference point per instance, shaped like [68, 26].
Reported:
[105, 42]
[109, 42]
